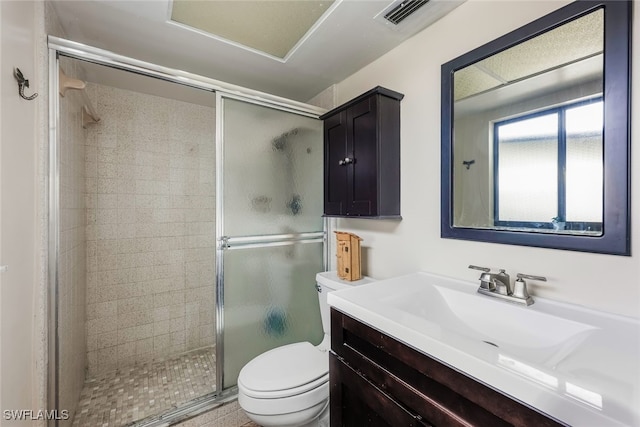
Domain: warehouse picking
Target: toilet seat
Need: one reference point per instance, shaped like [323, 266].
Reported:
[285, 371]
[289, 386]
[314, 400]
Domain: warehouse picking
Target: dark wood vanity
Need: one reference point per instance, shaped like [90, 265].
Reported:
[379, 381]
[362, 156]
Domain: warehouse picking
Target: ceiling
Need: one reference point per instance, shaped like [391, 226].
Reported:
[337, 37]
[270, 26]
[568, 44]
[570, 55]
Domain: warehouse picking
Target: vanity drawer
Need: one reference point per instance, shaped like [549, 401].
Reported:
[423, 386]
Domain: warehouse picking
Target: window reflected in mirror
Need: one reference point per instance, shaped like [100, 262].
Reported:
[548, 169]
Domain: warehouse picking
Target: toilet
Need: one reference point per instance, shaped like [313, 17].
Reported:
[289, 385]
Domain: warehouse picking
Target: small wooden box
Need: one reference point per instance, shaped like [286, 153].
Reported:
[349, 255]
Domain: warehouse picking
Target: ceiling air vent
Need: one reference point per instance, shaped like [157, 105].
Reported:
[404, 10]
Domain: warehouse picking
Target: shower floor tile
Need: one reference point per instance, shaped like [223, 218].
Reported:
[117, 398]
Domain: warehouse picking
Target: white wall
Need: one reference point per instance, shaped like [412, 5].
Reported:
[610, 283]
[72, 282]
[19, 137]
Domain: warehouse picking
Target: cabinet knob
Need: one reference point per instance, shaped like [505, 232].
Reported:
[345, 161]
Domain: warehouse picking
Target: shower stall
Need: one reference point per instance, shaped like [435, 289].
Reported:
[185, 226]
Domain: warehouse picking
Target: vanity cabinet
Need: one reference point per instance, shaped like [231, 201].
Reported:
[376, 380]
[362, 156]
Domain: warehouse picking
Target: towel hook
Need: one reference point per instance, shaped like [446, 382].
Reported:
[22, 83]
[468, 163]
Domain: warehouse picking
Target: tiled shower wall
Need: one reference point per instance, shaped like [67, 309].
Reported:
[150, 199]
[71, 271]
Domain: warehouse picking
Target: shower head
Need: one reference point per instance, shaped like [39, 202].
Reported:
[279, 143]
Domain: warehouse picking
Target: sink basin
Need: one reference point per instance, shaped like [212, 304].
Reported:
[578, 365]
[518, 331]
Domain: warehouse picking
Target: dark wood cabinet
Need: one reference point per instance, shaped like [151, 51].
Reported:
[362, 156]
[376, 380]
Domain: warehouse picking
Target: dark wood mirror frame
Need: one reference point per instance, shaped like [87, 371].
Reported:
[617, 95]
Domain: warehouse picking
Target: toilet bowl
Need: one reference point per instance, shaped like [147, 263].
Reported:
[289, 385]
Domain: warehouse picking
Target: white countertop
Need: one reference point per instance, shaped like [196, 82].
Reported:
[593, 379]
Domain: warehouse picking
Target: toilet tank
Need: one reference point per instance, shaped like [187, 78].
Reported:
[326, 282]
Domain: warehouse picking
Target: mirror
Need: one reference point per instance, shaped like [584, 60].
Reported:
[535, 134]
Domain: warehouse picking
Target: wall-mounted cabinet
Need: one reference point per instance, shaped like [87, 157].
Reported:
[362, 156]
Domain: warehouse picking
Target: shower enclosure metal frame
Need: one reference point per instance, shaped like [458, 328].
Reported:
[58, 46]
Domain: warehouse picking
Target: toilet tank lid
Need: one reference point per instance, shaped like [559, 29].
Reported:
[331, 279]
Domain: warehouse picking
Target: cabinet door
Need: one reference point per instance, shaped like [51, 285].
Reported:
[362, 173]
[356, 402]
[335, 172]
[373, 365]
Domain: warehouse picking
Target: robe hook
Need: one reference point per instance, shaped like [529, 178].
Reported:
[468, 163]
[22, 83]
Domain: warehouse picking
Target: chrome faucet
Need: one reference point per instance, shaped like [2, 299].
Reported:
[499, 285]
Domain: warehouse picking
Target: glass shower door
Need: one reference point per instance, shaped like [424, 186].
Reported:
[270, 231]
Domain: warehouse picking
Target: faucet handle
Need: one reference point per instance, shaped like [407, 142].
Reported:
[475, 267]
[530, 277]
[486, 279]
[520, 287]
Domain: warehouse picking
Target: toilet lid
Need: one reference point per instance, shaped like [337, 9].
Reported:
[283, 368]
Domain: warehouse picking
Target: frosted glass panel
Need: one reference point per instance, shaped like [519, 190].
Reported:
[270, 300]
[273, 171]
[528, 169]
[584, 163]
